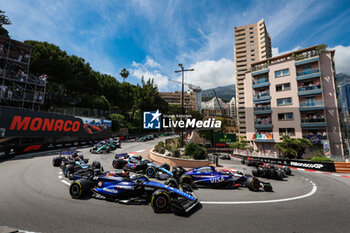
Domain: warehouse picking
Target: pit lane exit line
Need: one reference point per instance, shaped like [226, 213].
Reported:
[312, 192]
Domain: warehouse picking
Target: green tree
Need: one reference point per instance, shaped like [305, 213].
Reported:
[293, 147]
[4, 20]
[124, 73]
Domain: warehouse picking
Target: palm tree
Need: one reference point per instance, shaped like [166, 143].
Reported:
[124, 73]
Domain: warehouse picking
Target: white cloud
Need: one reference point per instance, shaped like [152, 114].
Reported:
[342, 59]
[148, 70]
[151, 63]
[276, 52]
[211, 73]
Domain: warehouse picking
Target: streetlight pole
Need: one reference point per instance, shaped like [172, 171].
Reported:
[183, 70]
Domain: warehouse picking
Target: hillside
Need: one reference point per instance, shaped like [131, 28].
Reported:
[225, 93]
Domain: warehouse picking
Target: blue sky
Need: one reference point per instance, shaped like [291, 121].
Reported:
[150, 38]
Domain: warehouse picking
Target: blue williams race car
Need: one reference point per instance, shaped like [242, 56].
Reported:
[210, 177]
[136, 189]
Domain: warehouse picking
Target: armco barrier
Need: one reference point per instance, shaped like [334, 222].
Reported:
[321, 166]
[10, 151]
[188, 163]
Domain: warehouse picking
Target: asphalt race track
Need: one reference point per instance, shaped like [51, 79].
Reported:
[32, 197]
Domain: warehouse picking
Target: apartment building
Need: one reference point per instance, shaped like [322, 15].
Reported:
[175, 98]
[293, 94]
[252, 44]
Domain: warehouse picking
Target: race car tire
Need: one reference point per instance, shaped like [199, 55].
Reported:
[172, 183]
[243, 161]
[56, 161]
[96, 165]
[146, 161]
[279, 175]
[151, 172]
[81, 157]
[287, 170]
[253, 184]
[267, 187]
[79, 188]
[186, 179]
[160, 201]
[69, 170]
[118, 163]
[165, 166]
[255, 172]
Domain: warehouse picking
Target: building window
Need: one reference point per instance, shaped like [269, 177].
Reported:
[285, 116]
[252, 41]
[252, 54]
[250, 28]
[281, 73]
[252, 46]
[252, 50]
[253, 59]
[284, 101]
[250, 32]
[287, 131]
[251, 37]
[283, 87]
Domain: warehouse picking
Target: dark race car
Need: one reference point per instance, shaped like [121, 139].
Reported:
[135, 189]
[270, 171]
[81, 170]
[210, 177]
[137, 164]
[104, 147]
[68, 159]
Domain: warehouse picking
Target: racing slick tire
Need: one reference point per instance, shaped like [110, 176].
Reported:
[96, 165]
[56, 161]
[287, 170]
[186, 179]
[118, 163]
[165, 166]
[279, 175]
[242, 161]
[79, 188]
[68, 170]
[160, 201]
[81, 157]
[253, 184]
[151, 172]
[255, 172]
[267, 187]
[172, 183]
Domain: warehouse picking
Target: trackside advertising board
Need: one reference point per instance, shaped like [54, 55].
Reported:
[224, 140]
[31, 124]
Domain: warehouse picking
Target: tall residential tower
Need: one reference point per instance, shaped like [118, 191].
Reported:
[252, 44]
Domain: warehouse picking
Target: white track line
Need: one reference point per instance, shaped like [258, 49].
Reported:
[312, 192]
[59, 177]
[65, 182]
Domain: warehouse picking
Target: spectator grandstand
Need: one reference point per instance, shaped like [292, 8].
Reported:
[19, 87]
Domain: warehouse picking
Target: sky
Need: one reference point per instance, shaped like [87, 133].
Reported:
[151, 37]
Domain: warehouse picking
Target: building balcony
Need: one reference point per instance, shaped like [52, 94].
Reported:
[307, 106]
[311, 123]
[306, 59]
[262, 97]
[321, 136]
[261, 83]
[262, 110]
[263, 138]
[308, 74]
[310, 90]
[261, 71]
[263, 126]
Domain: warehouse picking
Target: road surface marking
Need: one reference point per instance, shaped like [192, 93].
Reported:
[312, 192]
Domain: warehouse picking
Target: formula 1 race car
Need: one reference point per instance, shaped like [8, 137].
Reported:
[81, 170]
[135, 189]
[210, 177]
[104, 147]
[67, 157]
[137, 164]
[130, 163]
[270, 171]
